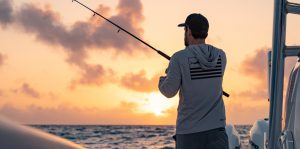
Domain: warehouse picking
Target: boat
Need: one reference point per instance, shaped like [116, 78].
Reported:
[282, 128]
[16, 136]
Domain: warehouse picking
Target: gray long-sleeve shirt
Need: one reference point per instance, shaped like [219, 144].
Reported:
[197, 72]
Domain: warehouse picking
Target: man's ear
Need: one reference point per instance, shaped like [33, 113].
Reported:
[189, 32]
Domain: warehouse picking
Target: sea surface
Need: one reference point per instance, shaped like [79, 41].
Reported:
[120, 137]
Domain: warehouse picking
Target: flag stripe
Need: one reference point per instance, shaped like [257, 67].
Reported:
[205, 77]
[205, 70]
[198, 68]
[205, 73]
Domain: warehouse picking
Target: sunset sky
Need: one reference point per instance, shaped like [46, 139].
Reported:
[61, 65]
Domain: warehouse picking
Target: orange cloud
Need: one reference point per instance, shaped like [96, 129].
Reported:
[256, 66]
[94, 75]
[28, 90]
[139, 82]
[1, 59]
[125, 113]
[47, 27]
[97, 21]
[257, 94]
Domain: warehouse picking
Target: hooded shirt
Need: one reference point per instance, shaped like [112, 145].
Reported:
[197, 72]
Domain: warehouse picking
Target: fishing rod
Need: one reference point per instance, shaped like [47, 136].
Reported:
[121, 28]
[137, 38]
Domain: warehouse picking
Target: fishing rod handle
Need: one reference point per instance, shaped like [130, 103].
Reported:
[226, 94]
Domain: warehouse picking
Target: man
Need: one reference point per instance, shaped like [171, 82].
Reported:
[197, 72]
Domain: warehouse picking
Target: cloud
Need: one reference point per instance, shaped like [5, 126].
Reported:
[1, 59]
[28, 90]
[52, 96]
[259, 94]
[6, 11]
[256, 66]
[253, 93]
[124, 113]
[94, 74]
[76, 40]
[139, 82]
[47, 27]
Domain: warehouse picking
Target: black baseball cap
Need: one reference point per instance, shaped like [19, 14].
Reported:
[197, 23]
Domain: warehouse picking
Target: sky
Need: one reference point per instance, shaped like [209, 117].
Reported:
[59, 64]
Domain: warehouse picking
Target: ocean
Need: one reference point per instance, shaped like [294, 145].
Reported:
[123, 136]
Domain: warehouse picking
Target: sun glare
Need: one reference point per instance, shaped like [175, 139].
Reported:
[156, 103]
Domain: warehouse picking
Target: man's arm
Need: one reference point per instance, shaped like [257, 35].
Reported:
[170, 84]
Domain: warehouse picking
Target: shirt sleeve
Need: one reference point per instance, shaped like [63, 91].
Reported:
[170, 84]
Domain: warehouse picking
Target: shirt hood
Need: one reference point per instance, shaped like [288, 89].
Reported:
[207, 55]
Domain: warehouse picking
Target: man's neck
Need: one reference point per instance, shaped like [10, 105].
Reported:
[197, 41]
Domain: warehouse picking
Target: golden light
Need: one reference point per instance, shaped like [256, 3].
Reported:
[156, 104]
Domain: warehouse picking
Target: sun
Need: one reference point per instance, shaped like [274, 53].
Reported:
[156, 104]
[158, 112]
